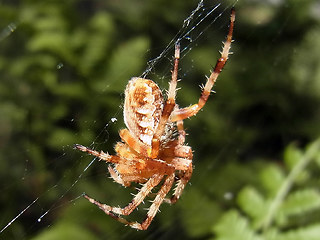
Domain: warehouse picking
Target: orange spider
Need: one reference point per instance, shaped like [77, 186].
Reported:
[150, 153]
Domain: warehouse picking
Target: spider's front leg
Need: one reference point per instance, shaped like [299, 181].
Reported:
[183, 113]
[101, 155]
[169, 104]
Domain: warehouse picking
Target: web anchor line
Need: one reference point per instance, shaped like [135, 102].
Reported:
[54, 206]
[16, 217]
[183, 33]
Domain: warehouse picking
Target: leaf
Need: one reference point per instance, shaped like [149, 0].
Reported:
[252, 202]
[308, 233]
[301, 201]
[232, 226]
[197, 216]
[55, 42]
[313, 149]
[98, 42]
[125, 63]
[305, 66]
[292, 155]
[65, 230]
[272, 177]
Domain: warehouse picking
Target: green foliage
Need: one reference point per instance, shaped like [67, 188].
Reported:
[64, 66]
[234, 226]
[66, 230]
[278, 210]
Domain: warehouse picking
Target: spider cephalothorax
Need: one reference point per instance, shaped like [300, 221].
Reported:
[149, 152]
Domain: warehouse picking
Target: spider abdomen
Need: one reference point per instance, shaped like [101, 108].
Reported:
[143, 106]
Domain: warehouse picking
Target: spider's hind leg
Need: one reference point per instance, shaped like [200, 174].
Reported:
[184, 176]
[181, 183]
[144, 191]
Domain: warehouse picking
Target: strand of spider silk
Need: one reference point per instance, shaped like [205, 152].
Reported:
[25, 209]
[309, 155]
[209, 25]
[187, 21]
[180, 35]
[16, 217]
[54, 206]
[185, 35]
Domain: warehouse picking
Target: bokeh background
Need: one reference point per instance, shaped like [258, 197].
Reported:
[63, 69]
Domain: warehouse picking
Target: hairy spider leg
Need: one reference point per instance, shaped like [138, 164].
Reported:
[169, 104]
[184, 176]
[101, 155]
[108, 158]
[145, 190]
[142, 194]
[181, 183]
[116, 177]
[182, 132]
[135, 145]
[183, 113]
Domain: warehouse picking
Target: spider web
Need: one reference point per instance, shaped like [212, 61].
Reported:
[202, 18]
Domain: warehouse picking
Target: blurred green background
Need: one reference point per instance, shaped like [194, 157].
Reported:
[64, 66]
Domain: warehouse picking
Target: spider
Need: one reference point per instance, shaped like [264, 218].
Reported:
[153, 151]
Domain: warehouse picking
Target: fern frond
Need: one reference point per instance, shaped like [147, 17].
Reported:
[253, 204]
[233, 226]
[311, 232]
[272, 177]
[311, 151]
[301, 201]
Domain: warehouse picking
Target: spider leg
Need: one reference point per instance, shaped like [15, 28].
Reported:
[182, 157]
[117, 178]
[168, 106]
[182, 132]
[102, 155]
[171, 101]
[165, 188]
[135, 144]
[183, 178]
[144, 191]
[181, 183]
[183, 113]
